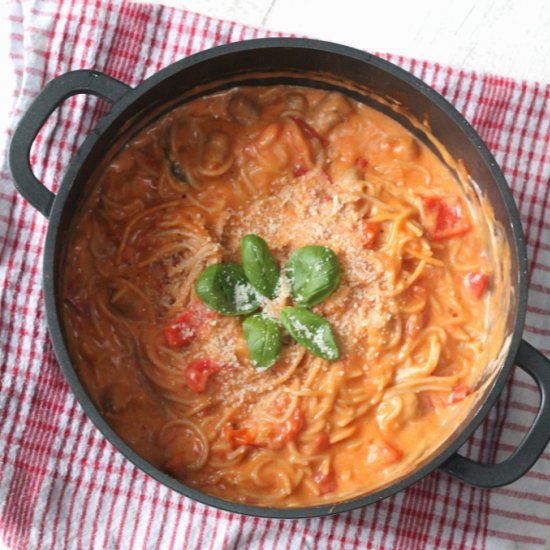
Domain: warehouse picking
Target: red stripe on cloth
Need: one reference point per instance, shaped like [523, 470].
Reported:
[501, 106]
[521, 516]
[108, 529]
[267, 527]
[539, 183]
[68, 539]
[508, 146]
[538, 475]
[177, 524]
[127, 502]
[136, 516]
[516, 538]
[88, 443]
[33, 457]
[56, 524]
[217, 516]
[474, 521]
[448, 489]
[521, 196]
[49, 143]
[43, 13]
[97, 489]
[162, 523]
[17, 334]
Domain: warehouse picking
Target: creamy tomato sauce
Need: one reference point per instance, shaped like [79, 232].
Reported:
[297, 167]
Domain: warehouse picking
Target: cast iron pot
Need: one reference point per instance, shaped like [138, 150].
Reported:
[301, 62]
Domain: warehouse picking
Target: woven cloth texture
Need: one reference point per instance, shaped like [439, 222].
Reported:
[62, 485]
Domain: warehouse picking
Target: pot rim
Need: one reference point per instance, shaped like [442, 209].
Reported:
[55, 322]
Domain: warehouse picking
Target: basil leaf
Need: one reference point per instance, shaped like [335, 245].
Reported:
[310, 330]
[259, 265]
[225, 289]
[314, 274]
[263, 339]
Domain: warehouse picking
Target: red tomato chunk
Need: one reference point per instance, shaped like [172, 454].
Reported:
[370, 234]
[476, 283]
[445, 217]
[198, 372]
[238, 436]
[300, 170]
[272, 436]
[277, 435]
[361, 163]
[383, 454]
[459, 394]
[326, 482]
[293, 426]
[182, 330]
[320, 443]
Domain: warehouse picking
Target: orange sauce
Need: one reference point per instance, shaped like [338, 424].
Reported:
[297, 167]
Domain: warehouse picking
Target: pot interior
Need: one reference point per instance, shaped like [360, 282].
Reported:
[379, 85]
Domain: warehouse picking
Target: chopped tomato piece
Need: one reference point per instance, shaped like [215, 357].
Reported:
[326, 482]
[308, 130]
[476, 282]
[238, 436]
[320, 443]
[300, 170]
[198, 372]
[293, 426]
[279, 434]
[272, 436]
[445, 217]
[361, 163]
[179, 333]
[383, 454]
[182, 330]
[459, 394]
[370, 233]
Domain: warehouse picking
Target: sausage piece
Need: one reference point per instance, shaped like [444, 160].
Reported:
[329, 112]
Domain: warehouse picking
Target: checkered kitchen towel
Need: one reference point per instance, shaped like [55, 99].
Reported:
[62, 485]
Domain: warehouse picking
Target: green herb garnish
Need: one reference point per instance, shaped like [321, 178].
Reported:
[313, 273]
[259, 265]
[263, 339]
[310, 330]
[225, 289]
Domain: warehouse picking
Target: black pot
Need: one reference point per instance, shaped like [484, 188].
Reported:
[302, 62]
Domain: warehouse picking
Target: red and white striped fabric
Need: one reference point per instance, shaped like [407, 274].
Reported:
[62, 485]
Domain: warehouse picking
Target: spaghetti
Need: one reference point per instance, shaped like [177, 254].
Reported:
[296, 166]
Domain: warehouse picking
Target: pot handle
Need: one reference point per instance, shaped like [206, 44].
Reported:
[522, 459]
[55, 92]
